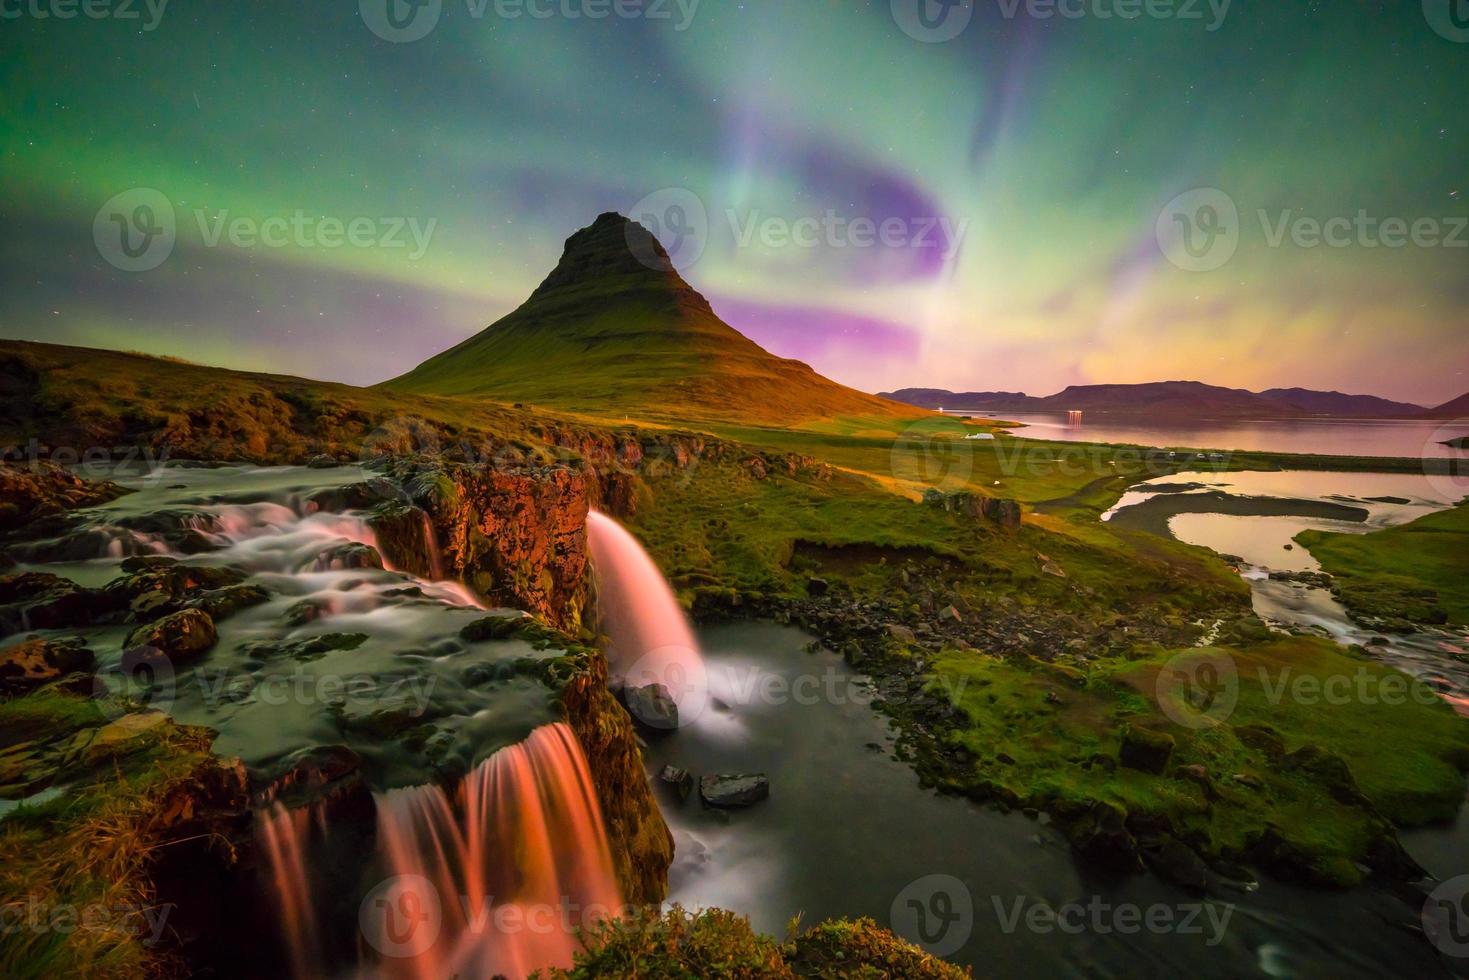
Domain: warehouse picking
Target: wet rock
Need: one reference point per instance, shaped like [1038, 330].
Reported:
[223, 603]
[495, 627]
[303, 612]
[38, 660]
[652, 705]
[321, 461]
[406, 539]
[345, 557]
[146, 563]
[308, 648]
[363, 495]
[36, 489]
[1145, 750]
[1179, 863]
[1099, 833]
[42, 601]
[180, 636]
[733, 790]
[679, 781]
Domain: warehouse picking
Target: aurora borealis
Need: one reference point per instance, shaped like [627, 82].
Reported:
[1021, 168]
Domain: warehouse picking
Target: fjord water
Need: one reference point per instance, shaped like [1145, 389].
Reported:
[1409, 438]
[848, 831]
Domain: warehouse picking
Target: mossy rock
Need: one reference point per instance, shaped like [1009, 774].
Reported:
[1145, 750]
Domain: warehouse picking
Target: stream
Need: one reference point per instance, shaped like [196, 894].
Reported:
[848, 831]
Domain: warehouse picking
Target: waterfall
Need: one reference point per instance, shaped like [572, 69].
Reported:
[285, 837]
[650, 640]
[493, 879]
[499, 883]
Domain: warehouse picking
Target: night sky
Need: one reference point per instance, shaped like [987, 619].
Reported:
[1023, 169]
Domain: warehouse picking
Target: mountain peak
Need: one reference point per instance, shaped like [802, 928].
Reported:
[614, 246]
[614, 327]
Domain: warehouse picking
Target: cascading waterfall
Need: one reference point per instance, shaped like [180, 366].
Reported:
[650, 640]
[493, 876]
[285, 838]
[500, 883]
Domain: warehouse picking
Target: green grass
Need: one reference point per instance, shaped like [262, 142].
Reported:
[90, 849]
[1418, 572]
[1406, 758]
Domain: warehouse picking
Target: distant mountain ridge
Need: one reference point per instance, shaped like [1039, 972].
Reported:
[615, 329]
[1193, 399]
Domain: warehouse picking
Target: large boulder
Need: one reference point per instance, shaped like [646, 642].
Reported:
[652, 705]
[731, 790]
[998, 510]
[181, 636]
[38, 660]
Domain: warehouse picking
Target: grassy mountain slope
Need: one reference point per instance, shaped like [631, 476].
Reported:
[615, 330]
